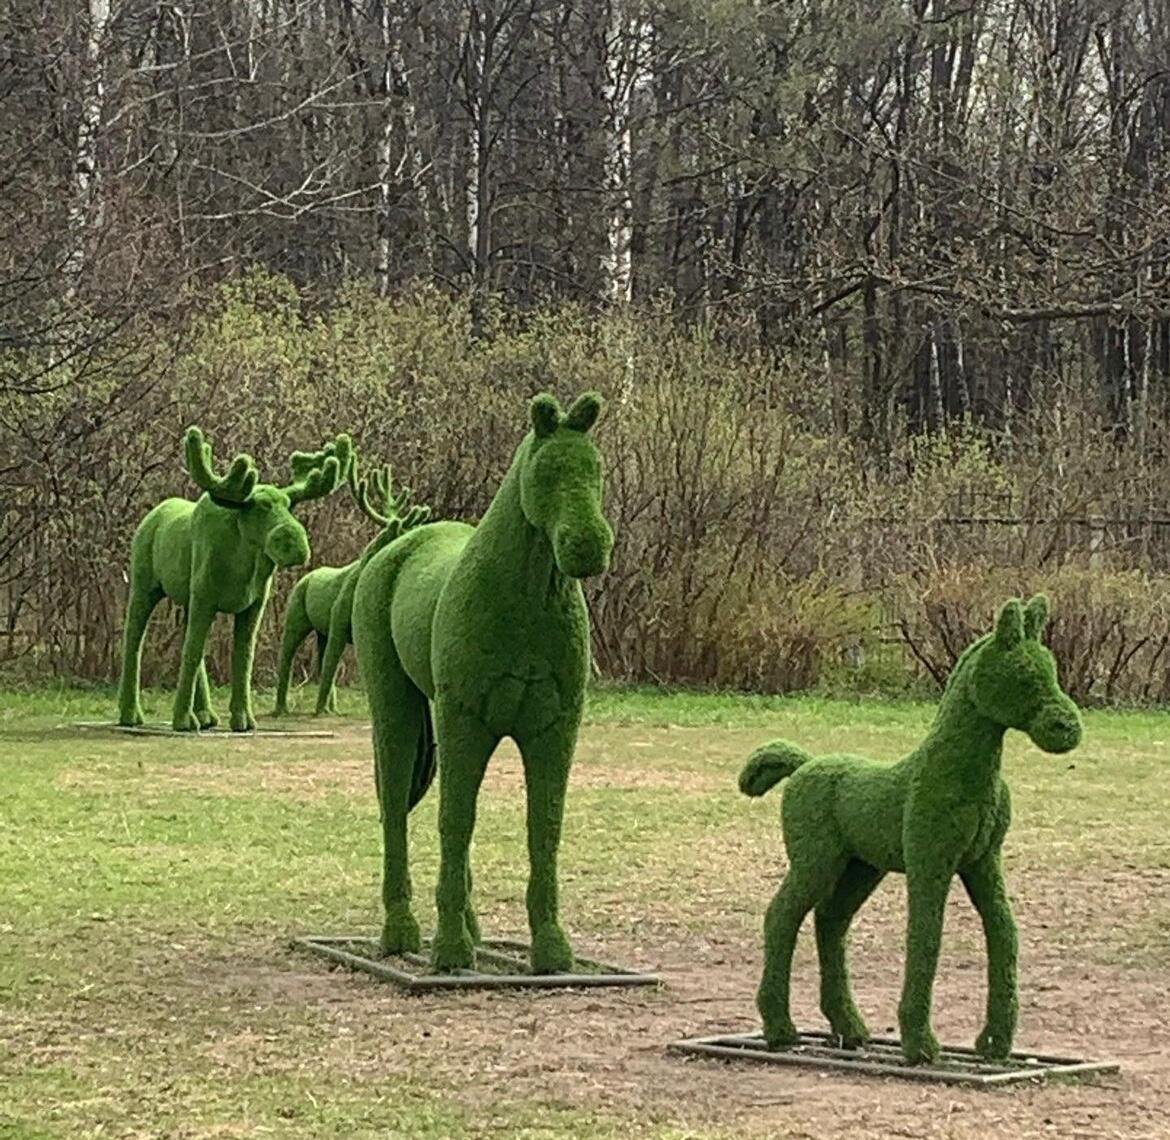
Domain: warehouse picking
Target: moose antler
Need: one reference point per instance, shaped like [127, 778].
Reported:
[394, 512]
[231, 490]
[319, 473]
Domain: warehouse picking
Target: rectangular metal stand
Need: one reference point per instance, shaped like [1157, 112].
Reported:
[882, 1057]
[218, 731]
[501, 964]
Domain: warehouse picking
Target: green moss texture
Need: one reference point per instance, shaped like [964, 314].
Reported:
[941, 811]
[322, 601]
[489, 624]
[217, 555]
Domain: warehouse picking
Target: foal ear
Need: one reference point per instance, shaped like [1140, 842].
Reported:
[1036, 617]
[584, 412]
[545, 413]
[1009, 626]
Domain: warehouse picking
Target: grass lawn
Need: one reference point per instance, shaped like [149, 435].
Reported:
[149, 886]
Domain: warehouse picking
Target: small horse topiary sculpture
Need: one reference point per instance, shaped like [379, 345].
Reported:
[489, 623]
[322, 601]
[941, 811]
[217, 555]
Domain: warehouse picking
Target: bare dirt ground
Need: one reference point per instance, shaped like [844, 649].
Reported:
[686, 899]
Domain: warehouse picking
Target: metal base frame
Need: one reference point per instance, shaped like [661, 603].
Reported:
[882, 1057]
[502, 964]
[219, 732]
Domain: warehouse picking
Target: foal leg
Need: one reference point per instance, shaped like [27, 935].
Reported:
[927, 888]
[985, 886]
[833, 917]
[808, 883]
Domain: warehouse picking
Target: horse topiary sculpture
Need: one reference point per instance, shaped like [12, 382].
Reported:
[217, 555]
[322, 601]
[942, 810]
[489, 623]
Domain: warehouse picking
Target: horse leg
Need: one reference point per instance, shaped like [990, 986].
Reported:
[833, 917]
[927, 888]
[199, 619]
[465, 746]
[143, 599]
[985, 886]
[547, 759]
[247, 626]
[809, 881]
[203, 713]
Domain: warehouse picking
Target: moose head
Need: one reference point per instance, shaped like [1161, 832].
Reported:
[392, 512]
[263, 510]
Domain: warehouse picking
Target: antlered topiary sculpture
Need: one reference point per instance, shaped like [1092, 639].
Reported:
[941, 811]
[217, 555]
[322, 601]
[489, 623]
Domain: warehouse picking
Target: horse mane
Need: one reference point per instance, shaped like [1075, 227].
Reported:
[964, 660]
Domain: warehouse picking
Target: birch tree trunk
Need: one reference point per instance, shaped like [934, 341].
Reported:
[623, 69]
[85, 204]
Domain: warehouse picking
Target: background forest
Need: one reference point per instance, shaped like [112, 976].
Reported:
[879, 291]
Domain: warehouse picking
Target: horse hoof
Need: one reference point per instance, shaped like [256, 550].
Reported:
[551, 952]
[400, 934]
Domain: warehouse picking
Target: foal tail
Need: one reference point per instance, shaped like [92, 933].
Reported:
[768, 765]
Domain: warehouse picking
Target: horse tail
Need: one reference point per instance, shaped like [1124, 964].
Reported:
[768, 765]
[424, 760]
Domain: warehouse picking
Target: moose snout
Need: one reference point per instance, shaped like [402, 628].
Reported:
[288, 545]
[582, 552]
[1056, 728]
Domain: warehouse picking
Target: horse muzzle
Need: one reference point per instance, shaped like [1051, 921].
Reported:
[1056, 728]
[583, 552]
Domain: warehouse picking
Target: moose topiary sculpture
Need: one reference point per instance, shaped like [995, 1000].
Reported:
[322, 601]
[217, 555]
[941, 811]
[489, 623]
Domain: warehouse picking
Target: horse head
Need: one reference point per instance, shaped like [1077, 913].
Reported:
[1014, 682]
[560, 485]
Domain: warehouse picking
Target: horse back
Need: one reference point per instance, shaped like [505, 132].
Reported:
[398, 590]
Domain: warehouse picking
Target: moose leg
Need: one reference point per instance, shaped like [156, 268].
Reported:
[247, 625]
[138, 611]
[465, 746]
[810, 880]
[296, 629]
[985, 886]
[199, 619]
[833, 917]
[203, 713]
[927, 888]
[547, 758]
[335, 645]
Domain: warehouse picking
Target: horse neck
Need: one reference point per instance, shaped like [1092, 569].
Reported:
[964, 746]
[516, 557]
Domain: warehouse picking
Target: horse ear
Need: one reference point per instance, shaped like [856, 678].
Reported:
[546, 414]
[1036, 617]
[1009, 626]
[584, 412]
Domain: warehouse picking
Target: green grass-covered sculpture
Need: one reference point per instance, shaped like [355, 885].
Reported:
[322, 601]
[489, 623]
[941, 811]
[217, 555]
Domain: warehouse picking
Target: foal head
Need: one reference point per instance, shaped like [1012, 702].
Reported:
[560, 485]
[1013, 679]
